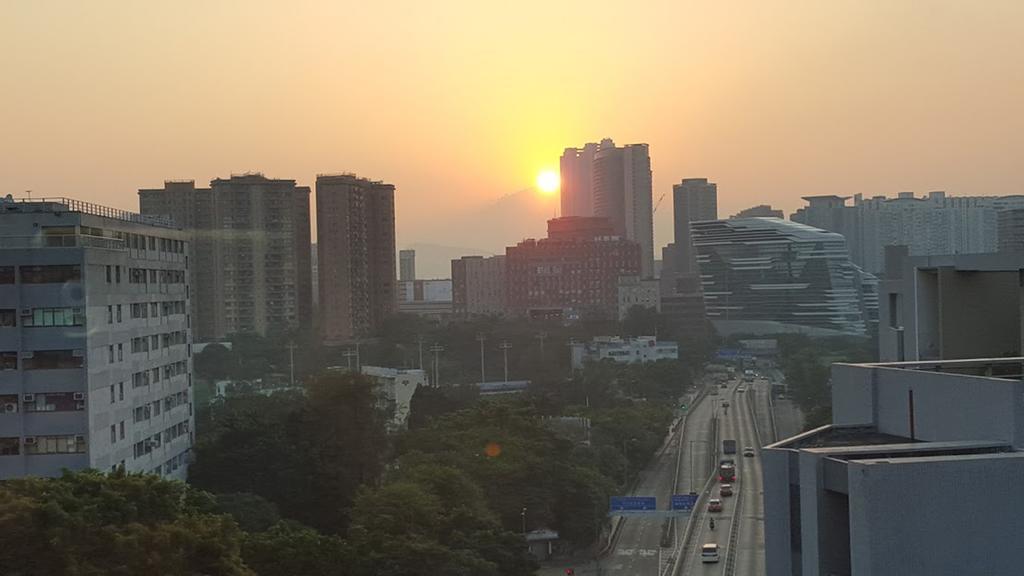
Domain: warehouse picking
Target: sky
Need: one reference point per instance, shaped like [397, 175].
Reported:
[460, 103]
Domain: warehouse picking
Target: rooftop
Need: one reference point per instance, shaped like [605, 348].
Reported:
[62, 204]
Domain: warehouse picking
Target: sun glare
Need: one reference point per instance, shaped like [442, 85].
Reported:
[547, 181]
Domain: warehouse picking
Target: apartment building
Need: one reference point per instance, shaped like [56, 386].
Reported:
[95, 341]
[478, 286]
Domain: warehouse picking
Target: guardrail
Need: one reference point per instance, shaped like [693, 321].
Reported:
[697, 518]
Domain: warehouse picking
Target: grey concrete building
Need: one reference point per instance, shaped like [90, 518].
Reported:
[406, 265]
[576, 174]
[623, 195]
[478, 286]
[759, 211]
[919, 473]
[693, 200]
[252, 259]
[949, 307]
[95, 341]
[1010, 230]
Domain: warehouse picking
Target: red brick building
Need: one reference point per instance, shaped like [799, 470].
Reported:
[573, 272]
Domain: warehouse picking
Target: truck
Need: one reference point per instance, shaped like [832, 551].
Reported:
[726, 472]
[728, 446]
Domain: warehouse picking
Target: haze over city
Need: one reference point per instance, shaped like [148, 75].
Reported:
[462, 103]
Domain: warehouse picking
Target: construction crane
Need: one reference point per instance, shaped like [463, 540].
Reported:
[658, 203]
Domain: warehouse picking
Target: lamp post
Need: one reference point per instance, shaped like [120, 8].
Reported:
[436, 349]
[481, 337]
[625, 465]
[505, 347]
[522, 514]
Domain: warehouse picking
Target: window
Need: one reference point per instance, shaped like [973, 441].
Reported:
[110, 314]
[53, 360]
[111, 349]
[113, 429]
[10, 447]
[120, 352]
[50, 274]
[8, 360]
[109, 275]
[122, 429]
[54, 402]
[8, 317]
[42, 317]
[112, 400]
[119, 313]
[6, 274]
[55, 445]
[120, 390]
[117, 273]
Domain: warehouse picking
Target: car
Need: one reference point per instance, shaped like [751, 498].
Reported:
[725, 490]
[714, 392]
[741, 389]
[714, 505]
[748, 451]
[709, 552]
[723, 385]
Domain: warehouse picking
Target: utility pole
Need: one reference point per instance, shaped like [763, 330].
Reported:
[349, 354]
[436, 349]
[541, 336]
[505, 347]
[481, 337]
[419, 340]
[523, 514]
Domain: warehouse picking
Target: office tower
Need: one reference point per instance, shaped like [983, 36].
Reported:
[765, 275]
[577, 179]
[573, 272]
[95, 344]
[693, 200]
[252, 259]
[478, 286]
[356, 243]
[1010, 230]
[622, 194]
[406, 265]
[315, 275]
[932, 225]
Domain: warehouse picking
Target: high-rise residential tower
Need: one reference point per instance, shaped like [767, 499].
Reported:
[95, 344]
[252, 258]
[577, 178]
[406, 265]
[356, 246]
[622, 194]
[693, 200]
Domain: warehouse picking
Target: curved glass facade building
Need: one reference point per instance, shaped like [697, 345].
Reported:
[767, 275]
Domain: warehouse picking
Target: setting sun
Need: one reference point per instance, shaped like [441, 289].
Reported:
[547, 181]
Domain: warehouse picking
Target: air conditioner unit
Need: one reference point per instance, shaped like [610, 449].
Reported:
[79, 395]
[10, 407]
[80, 406]
[26, 354]
[26, 311]
[30, 440]
[29, 397]
[79, 439]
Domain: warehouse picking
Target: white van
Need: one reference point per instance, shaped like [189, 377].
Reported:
[709, 552]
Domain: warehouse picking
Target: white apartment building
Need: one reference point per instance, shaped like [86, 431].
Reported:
[634, 291]
[397, 387]
[95, 341]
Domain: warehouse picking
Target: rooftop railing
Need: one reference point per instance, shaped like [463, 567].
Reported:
[83, 207]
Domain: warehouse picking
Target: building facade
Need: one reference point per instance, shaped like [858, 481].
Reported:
[950, 307]
[574, 271]
[397, 388]
[919, 473]
[406, 265]
[429, 298]
[356, 245]
[478, 286]
[95, 341]
[693, 200]
[622, 194]
[252, 259]
[933, 225]
[636, 291]
[637, 350]
[576, 170]
[765, 275]
[1010, 230]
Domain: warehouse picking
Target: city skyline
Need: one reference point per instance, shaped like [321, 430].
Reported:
[853, 111]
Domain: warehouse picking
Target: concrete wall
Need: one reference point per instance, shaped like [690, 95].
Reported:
[979, 314]
[853, 395]
[954, 517]
[777, 476]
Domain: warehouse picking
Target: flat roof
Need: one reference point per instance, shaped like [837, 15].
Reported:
[838, 436]
[941, 458]
[912, 449]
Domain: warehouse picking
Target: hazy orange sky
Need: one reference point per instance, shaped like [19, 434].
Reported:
[461, 102]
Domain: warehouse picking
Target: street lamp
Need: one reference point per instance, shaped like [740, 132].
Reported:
[522, 514]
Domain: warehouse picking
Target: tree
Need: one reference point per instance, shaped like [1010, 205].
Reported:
[252, 513]
[291, 549]
[88, 523]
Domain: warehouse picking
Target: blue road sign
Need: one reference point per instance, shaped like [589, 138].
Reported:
[684, 501]
[621, 503]
[728, 353]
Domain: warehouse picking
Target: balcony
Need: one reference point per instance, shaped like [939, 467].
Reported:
[61, 241]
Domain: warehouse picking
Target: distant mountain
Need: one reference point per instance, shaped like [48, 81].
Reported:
[488, 229]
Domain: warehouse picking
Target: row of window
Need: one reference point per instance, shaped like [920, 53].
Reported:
[42, 359]
[156, 309]
[174, 463]
[43, 402]
[147, 445]
[155, 276]
[157, 341]
[66, 444]
[153, 375]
